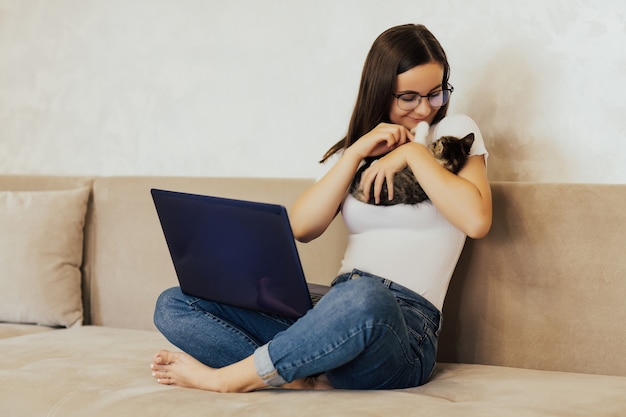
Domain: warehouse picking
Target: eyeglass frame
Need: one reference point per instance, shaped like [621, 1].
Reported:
[428, 96]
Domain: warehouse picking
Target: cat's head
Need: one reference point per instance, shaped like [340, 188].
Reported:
[452, 152]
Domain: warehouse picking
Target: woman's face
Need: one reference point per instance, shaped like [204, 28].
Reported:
[423, 80]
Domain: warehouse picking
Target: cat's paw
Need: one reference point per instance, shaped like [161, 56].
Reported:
[420, 132]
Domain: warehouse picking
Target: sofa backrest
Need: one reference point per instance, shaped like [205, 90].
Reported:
[546, 288]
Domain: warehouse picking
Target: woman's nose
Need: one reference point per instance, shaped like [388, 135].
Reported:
[423, 109]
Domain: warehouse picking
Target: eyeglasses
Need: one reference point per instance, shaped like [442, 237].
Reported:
[409, 101]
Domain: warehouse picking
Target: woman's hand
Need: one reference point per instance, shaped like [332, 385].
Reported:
[382, 139]
[384, 169]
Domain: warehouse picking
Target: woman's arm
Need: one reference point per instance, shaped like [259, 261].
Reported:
[464, 199]
[316, 208]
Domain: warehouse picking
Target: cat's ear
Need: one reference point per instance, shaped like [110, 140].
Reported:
[468, 141]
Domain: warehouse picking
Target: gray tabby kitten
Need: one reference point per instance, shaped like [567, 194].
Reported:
[450, 152]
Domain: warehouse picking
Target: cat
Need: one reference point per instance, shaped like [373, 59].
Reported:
[451, 152]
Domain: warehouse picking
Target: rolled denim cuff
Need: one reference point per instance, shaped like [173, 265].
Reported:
[265, 368]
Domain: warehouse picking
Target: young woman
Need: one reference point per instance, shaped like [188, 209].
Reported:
[378, 326]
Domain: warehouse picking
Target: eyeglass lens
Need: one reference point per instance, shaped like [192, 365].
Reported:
[409, 101]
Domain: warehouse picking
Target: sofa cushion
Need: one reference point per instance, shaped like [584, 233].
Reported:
[97, 371]
[17, 329]
[41, 249]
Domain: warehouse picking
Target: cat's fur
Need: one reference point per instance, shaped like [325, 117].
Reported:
[450, 152]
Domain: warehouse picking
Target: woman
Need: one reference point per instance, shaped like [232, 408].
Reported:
[378, 326]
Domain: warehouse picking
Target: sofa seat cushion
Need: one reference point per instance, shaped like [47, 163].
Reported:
[17, 329]
[99, 371]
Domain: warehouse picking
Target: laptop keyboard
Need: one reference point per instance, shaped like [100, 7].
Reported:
[315, 298]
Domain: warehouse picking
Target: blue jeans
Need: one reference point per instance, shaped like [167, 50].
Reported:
[366, 333]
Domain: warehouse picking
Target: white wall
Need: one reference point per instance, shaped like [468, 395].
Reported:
[263, 88]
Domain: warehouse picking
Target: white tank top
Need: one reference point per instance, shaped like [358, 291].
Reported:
[412, 245]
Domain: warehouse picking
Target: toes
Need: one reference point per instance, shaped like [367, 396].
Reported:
[162, 358]
[164, 381]
[165, 357]
[160, 375]
[159, 368]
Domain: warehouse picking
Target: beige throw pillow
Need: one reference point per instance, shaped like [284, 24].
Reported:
[41, 250]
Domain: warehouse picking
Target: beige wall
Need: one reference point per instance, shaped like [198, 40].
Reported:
[262, 88]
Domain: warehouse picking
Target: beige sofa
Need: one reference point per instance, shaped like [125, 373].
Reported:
[533, 322]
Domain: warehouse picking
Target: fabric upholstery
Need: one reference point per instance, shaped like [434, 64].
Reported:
[15, 329]
[96, 371]
[41, 250]
[546, 288]
[60, 183]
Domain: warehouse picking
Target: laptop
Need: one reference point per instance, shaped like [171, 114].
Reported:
[235, 252]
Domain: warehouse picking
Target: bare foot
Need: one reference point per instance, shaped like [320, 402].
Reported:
[182, 370]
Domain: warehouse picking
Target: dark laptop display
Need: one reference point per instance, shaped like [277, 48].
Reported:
[235, 252]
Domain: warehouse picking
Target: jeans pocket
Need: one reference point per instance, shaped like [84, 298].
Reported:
[425, 334]
[415, 320]
[420, 321]
[414, 307]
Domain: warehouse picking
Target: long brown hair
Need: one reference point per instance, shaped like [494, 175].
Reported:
[395, 51]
